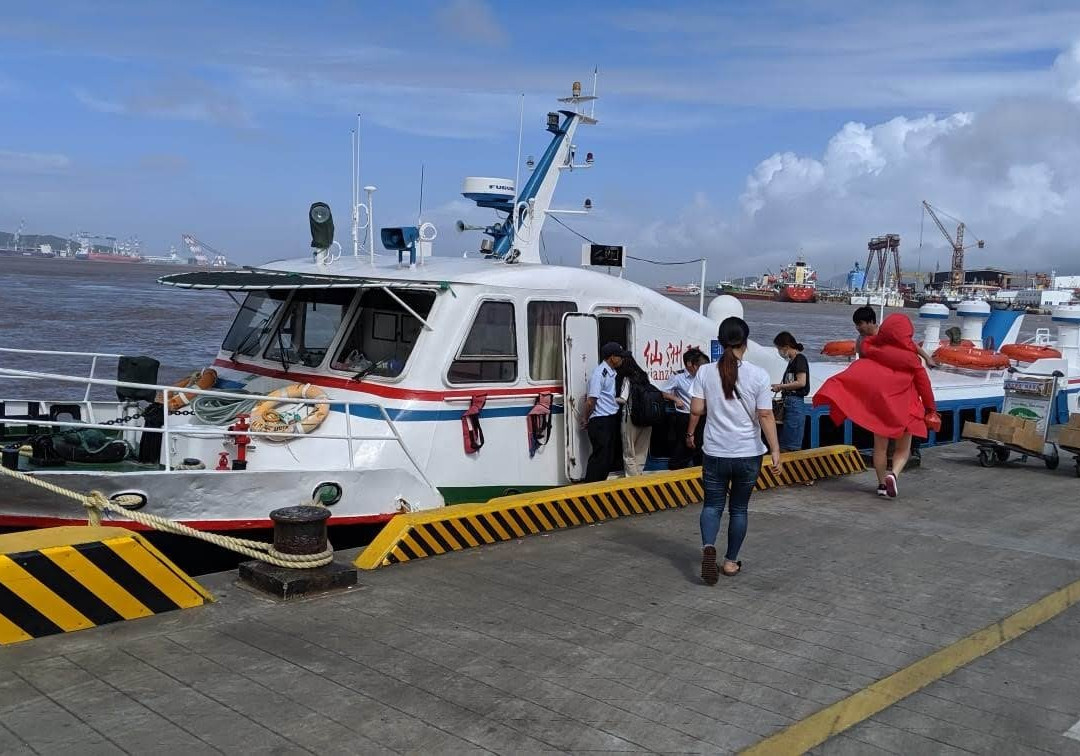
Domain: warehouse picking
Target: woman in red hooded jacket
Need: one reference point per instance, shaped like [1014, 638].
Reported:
[887, 392]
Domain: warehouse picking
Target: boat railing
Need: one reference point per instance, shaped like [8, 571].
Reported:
[94, 357]
[166, 431]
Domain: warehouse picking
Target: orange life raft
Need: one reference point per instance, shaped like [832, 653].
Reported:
[1029, 352]
[843, 348]
[971, 357]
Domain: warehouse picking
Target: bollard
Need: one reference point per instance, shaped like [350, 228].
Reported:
[298, 530]
[10, 457]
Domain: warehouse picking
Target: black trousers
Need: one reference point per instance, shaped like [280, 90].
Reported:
[680, 456]
[604, 438]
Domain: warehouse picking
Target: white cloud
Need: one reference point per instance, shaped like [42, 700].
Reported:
[1010, 171]
[182, 99]
[1067, 68]
[473, 21]
[32, 163]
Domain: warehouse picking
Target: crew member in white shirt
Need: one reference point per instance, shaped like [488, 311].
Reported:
[677, 390]
[601, 414]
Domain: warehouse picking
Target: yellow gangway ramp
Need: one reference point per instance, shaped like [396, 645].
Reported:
[59, 580]
[436, 531]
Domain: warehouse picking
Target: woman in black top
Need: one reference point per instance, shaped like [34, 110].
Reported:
[795, 388]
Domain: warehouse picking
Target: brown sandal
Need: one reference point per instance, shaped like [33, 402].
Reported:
[731, 573]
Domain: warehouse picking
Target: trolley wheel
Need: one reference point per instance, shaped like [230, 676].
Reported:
[987, 457]
[1053, 462]
[1002, 454]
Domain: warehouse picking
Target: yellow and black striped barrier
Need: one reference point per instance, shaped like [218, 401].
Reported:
[462, 526]
[58, 580]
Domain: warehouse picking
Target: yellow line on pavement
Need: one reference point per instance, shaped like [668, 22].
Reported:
[858, 707]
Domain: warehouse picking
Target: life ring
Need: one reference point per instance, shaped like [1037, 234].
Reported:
[200, 379]
[1029, 352]
[970, 357]
[266, 419]
[844, 348]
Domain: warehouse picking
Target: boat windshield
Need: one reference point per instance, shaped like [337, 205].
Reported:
[383, 333]
[253, 321]
[309, 325]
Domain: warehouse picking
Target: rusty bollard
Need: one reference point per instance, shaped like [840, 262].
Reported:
[298, 530]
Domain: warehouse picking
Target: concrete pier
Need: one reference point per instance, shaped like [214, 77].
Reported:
[603, 638]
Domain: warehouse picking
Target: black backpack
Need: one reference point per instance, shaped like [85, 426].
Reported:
[647, 405]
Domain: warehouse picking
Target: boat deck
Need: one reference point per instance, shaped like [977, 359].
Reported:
[603, 638]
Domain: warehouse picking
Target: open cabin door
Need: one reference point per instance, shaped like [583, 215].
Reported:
[580, 357]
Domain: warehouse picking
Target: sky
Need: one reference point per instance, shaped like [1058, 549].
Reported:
[744, 132]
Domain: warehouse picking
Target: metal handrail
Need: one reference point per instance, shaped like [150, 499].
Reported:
[192, 431]
[56, 353]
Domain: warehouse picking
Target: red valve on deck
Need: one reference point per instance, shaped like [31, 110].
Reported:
[242, 441]
[223, 461]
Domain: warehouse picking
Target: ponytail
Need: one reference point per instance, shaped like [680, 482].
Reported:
[732, 335]
[729, 373]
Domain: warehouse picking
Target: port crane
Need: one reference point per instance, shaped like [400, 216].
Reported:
[956, 272]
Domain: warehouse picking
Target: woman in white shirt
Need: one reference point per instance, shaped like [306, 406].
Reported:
[735, 398]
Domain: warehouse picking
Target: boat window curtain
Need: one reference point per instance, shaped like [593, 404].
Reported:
[545, 339]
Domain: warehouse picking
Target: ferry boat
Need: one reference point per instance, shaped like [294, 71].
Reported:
[387, 383]
[798, 283]
[683, 289]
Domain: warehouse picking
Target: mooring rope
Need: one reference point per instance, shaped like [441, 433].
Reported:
[96, 503]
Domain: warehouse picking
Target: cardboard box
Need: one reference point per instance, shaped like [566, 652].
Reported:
[1003, 427]
[1029, 439]
[1074, 421]
[976, 431]
[1070, 436]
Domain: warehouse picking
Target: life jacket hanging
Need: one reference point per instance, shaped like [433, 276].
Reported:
[472, 434]
[539, 423]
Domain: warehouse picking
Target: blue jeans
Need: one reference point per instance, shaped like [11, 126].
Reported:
[791, 432]
[727, 481]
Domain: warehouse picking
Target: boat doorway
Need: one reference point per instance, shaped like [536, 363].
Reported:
[617, 328]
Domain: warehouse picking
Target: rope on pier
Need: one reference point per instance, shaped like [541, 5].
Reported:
[96, 503]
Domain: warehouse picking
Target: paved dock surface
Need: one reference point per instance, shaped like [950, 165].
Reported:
[603, 639]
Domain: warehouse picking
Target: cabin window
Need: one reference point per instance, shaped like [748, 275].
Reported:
[253, 322]
[309, 325]
[383, 333]
[489, 354]
[545, 339]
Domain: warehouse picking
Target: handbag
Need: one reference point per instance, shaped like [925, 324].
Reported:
[778, 408]
[933, 421]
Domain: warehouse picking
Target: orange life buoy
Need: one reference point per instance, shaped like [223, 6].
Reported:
[265, 417]
[844, 348]
[1029, 352]
[200, 379]
[970, 357]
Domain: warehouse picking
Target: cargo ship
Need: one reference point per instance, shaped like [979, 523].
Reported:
[683, 289]
[798, 283]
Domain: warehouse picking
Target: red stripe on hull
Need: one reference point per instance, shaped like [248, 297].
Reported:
[378, 389]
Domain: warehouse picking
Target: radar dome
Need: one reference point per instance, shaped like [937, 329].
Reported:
[724, 306]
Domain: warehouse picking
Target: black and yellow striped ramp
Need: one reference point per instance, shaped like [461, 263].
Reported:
[58, 580]
[462, 526]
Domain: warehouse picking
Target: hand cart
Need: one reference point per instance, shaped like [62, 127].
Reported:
[1031, 396]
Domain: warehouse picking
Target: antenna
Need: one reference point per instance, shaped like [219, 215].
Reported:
[517, 163]
[592, 107]
[420, 211]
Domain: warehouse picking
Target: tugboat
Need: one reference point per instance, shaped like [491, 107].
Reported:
[798, 283]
